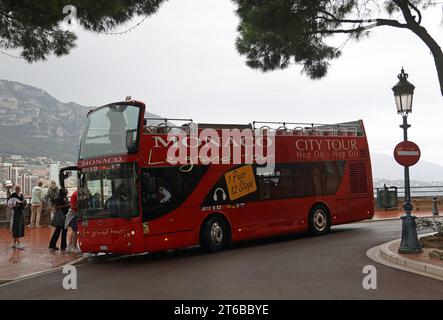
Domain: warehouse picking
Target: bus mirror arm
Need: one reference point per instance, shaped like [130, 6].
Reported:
[65, 173]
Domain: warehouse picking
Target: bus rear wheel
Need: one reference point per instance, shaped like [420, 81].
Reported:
[319, 220]
[215, 234]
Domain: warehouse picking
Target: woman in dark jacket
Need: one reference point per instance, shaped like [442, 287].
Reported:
[17, 203]
[61, 206]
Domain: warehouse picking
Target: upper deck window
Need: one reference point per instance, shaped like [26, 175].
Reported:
[111, 130]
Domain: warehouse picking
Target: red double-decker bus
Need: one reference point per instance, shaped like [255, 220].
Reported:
[134, 199]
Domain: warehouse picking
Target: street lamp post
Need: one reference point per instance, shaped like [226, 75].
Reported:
[404, 93]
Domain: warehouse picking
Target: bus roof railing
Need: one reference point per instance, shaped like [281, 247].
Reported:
[311, 129]
[166, 120]
[165, 125]
[218, 126]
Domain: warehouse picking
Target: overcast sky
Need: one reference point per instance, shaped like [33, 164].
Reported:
[183, 63]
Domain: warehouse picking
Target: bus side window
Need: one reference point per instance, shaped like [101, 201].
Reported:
[283, 186]
[303, 182]
[265, 187]
[150, 187]
[165, 189]
[319, 177]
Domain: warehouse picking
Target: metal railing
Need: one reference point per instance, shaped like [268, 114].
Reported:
[3, 200]
[353, 129]
[166, 125]
[418, 191]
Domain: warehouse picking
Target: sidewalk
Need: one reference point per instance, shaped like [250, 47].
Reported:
[395, 214]
[15, 264]
[420, 263]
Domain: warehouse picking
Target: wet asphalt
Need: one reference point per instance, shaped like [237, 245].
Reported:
[288, 267]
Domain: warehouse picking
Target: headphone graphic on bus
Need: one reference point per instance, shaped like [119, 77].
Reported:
[216, 194]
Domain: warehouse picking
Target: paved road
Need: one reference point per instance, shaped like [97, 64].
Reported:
[295, 267]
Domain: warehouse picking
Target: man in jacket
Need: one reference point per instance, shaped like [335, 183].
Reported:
[36, 205]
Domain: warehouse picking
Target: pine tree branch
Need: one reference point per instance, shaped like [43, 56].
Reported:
[407, 14]
[416, 10]
[354, 30]
[373, 23]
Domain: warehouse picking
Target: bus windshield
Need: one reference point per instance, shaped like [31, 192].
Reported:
[108, 191]
[110, 130]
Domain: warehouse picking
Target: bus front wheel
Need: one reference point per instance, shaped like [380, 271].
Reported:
[319, 220]
[215, 234]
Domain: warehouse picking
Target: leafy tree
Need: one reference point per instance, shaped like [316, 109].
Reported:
[275, 33]
[35, 27]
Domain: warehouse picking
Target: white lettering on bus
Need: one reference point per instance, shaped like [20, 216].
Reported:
[101, 161]
[335, 145]
[165, 143]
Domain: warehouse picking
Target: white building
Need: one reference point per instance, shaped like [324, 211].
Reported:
[53, 172]
[5, 171]
[16, 174]
[27, 183]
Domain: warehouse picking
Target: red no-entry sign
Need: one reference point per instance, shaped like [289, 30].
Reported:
[407, 153]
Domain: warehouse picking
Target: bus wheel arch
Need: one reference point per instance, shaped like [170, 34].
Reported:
[215, 232]
[319, 219]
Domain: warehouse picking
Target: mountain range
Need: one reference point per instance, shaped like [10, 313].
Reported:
[33, 123]
[385, 167]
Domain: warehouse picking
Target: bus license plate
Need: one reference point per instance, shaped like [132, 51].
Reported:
[104, 248]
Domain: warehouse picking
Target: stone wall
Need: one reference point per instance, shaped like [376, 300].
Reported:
[421, 204]
[3, 212]
[5, 216]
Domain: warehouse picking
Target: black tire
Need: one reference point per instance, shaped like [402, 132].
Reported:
[319, 220]
[215, 234]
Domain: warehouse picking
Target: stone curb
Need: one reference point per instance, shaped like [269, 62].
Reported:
[384, 255]
[398, 218]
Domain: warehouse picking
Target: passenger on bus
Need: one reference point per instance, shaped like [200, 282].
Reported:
[117, 129]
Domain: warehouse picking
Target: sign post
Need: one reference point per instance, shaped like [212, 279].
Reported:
[407, 154]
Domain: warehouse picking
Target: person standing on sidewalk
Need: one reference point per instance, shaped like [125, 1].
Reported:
[17, 203]
[71, 222]
[51, 196]
[36, 205]
[58, 221]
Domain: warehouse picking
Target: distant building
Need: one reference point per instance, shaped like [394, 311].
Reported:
[16, 175]
[40, 172]
[27, 183]
[53, 172]
[5, 171]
